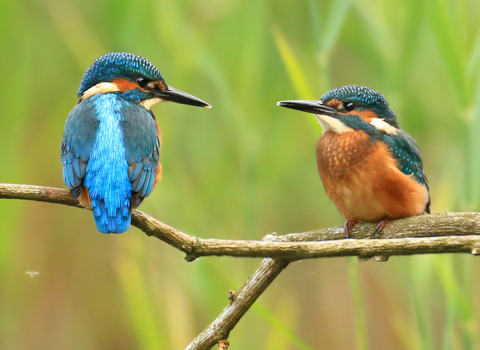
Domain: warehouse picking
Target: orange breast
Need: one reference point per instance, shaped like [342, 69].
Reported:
[84, 198]
[363, 181]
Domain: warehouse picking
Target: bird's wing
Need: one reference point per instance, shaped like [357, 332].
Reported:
[77, 143]
[407, 154]
[142, 150]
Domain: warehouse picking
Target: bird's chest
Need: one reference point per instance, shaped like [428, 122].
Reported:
[349, 167]
[342, 157]
[363, 179]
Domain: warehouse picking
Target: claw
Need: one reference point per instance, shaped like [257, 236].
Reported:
[381, 226]
[347, 228]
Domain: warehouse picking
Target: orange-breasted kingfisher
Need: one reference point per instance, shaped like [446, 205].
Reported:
[111, 143]
[371, 170]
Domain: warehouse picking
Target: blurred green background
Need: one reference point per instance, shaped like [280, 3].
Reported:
[241, 170]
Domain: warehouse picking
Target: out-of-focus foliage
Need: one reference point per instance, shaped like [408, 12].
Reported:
[241, 170]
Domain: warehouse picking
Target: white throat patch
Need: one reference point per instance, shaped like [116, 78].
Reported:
[332, 124]
[149, 103]
[382, 125]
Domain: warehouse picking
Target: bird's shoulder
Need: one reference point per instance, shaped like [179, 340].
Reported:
[406, 152]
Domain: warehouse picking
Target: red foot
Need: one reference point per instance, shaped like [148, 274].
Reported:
[347, 228]
[381, 226]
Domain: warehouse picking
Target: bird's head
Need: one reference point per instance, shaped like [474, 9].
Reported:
[134, 78]
[348, 108]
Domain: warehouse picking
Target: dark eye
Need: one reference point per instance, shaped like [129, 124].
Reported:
[142, 82]
[349, 106]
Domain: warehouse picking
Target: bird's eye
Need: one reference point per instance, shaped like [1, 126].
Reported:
[349, 106]
[142, 82]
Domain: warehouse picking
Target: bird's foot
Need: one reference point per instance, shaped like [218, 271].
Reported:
[381, 226]
[347, 228]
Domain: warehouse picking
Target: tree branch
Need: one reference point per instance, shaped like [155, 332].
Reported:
[242, 300]
[448, 224]
[436, 233]
[144, 222]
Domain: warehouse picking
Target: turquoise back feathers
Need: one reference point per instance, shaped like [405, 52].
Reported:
[110, 147]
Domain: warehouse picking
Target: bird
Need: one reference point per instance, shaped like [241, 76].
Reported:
[110, 147]
[371, 169]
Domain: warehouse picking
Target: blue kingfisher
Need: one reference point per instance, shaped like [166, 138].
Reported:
[111, 143]
[371, 170]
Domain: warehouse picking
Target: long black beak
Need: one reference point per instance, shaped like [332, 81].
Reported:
[315, 107]
[175, 95]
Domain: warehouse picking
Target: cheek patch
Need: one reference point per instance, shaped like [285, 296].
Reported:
[366, 115]
[125, 85]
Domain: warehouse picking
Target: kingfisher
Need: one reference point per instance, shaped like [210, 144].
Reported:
[371, 169]
[111, 142]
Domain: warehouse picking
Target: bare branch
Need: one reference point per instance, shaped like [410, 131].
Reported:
[436, 233]
[376, 249]
[144, 222]
[243, 299]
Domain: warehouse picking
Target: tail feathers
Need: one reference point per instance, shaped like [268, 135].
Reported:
[111, 220]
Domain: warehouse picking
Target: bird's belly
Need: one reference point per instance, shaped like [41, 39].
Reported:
[363, 180]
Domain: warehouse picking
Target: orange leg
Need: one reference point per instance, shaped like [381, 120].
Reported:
[347, 228]
[381, 226]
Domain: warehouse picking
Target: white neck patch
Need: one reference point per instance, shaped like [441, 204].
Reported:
[332, 124]
[382, 125]
[100, 88]
[149, 103]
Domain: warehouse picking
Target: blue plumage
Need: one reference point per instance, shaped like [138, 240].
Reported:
[407, 153]
[142, 149]
[110, 145]
[107, 170]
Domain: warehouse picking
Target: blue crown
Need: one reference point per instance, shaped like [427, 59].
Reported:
[363, 98]
[115, 65]
[360, 95]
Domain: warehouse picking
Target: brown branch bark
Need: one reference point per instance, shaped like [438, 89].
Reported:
[436, 233]
[242, 300]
